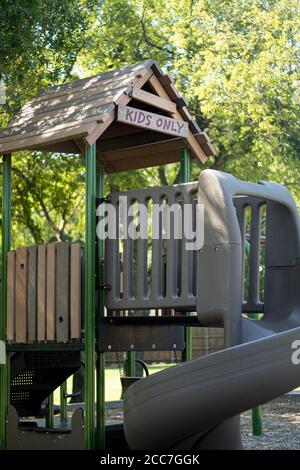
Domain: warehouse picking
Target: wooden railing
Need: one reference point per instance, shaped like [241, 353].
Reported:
[44, 293]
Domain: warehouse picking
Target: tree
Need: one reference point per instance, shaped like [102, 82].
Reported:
[40, 40]
[236, 62]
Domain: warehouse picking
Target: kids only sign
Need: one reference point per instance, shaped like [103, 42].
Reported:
[140, 118]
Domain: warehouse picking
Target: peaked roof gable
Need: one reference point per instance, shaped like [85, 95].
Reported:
[67, 117]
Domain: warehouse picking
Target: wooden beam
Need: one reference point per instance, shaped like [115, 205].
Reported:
[137, 82]
[99, 129]
[193, 144]
[131, 140]
[206, 144]
[153, 100]
[62, 147]
[145, 161]
[142, 150]
[166, 80]
[80, 145]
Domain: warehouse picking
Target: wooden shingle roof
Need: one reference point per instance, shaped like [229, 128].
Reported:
[67, 117]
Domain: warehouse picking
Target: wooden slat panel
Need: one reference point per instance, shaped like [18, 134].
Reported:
[21, 295]
[75, 291]
[41, 293]
[50, 283]
[67, 113]
[62, 292]
[72, 99]
[50, 136]
[73, 118]
[11, 293]
[85, 83]
[32, 293]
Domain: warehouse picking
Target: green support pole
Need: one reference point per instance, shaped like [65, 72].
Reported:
[49, 420]
[63, 400]
[256, 421]
[256, 413]
[130, 366]
[100, 384]
[89, 296]
[6, 242]
[185, 177]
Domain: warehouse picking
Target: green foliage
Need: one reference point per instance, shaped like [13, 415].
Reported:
[54, 189]
[237, 62]
[40, 41]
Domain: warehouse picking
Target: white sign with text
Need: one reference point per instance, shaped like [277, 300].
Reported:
[156, 122]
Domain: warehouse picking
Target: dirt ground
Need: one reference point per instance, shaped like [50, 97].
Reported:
[281, 425]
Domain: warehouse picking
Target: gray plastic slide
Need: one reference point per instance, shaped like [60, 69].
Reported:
[196, 404]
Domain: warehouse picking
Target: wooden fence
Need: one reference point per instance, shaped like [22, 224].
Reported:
[44, 293]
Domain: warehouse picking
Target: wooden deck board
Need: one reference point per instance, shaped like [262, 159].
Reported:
[21, 295]
[32, 293]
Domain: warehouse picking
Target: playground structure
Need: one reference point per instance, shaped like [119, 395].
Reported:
[54, 296]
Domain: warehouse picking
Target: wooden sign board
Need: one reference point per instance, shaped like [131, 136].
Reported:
[155, 122]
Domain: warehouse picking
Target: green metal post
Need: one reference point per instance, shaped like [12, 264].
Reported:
[185, 169]
[63, 400]
[100, 384]
[6, 242]
[256, 413]
[49, 420]
[130, 366]
[256, 421]
[89, 296]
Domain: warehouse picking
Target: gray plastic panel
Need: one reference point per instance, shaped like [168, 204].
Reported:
[243, 375]
[192, 398]
[167, 279]
[252, 302]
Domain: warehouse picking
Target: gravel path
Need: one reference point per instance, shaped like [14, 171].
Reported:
[281, 425]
